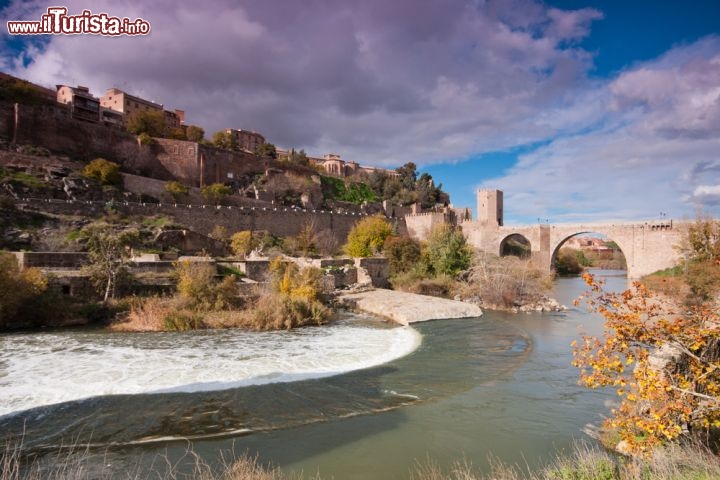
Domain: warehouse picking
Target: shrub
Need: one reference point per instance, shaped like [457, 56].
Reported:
[242, 243]
[402, 253]
[198, 288]
[266, 150]
[104, 171]
[195, 133]
[327, 243]
[447, 251]
[146, 139]
[215, 192]
[567, 262]
[505, 281]
[19, 290]
[367, 236]
[176, 189]
[150, 122]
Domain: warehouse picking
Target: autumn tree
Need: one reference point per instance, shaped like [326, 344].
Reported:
[225, 140]
[242, 242]
[17, 288]
[104, 171]
[367, 236]
[298, 157]
[663, 363]
[266, 150]
[701, 249]
[108, 255]
[195, 133]
[151, 122]
[176, 189]
[215, 192]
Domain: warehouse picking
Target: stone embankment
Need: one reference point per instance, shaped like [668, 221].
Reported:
[405, 308]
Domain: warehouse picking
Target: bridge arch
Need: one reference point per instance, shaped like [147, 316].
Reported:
[559, 245]
[515, 244]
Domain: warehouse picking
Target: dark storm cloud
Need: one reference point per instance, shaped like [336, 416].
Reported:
[379, 81]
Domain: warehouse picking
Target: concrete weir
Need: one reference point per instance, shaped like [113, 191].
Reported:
[406, 308]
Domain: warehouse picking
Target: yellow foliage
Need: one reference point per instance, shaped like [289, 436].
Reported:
[367, 237]
[17, 288]
[242, 242]
[662, 396]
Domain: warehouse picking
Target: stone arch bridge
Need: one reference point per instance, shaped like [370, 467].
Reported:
[648, 246]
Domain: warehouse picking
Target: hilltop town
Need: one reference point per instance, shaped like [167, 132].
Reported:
[71, 162]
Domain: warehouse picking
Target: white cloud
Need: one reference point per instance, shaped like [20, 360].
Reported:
[655, 148]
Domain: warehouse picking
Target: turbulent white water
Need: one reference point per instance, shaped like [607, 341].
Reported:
[45, 368]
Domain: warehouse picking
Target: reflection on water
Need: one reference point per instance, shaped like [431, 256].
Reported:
[501, 384]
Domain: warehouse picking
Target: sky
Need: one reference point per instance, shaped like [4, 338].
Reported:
[579, 110]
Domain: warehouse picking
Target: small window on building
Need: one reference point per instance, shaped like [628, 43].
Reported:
[191, 150]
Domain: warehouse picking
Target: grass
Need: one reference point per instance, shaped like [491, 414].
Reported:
[689, 462]
[670, 282]
[23, 178]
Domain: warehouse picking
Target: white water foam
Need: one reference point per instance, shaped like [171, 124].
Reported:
[39, 369]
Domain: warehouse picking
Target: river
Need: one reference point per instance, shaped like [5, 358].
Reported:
[356, 400]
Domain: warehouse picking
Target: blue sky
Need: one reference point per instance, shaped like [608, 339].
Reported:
[577, 110]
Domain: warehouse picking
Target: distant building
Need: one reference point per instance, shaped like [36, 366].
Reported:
[334, 165]
[128, 105]
[174, 119]
[82, 104]
[247, 141]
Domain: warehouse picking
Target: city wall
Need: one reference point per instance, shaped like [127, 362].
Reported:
[203, 219]
[50, 126]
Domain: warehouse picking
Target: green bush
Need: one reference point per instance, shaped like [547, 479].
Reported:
[567, 262]
[215, 192]
[447, 251]
[104, 171]
[367, 236]
[176, 189]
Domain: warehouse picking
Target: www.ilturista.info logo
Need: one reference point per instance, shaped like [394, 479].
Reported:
[57, 21]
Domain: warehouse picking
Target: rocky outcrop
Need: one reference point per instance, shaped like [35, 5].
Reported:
[405, 308]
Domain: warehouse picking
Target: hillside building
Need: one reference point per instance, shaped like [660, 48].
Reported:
[246, 140]
[82, 104]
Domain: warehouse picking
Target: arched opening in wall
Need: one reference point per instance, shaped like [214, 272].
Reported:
[516, 245]
[588, 250]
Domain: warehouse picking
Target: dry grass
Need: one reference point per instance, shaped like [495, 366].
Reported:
[690, 462]
[80, 465]
[271, 311]
[505, 281]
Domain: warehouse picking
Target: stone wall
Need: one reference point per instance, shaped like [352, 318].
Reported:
[51, 126]
[196, 165]
[203, 219]
[419, 225]
[375, 271]
[59, 260]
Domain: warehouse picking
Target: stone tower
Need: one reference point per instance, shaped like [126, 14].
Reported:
[490, 207]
